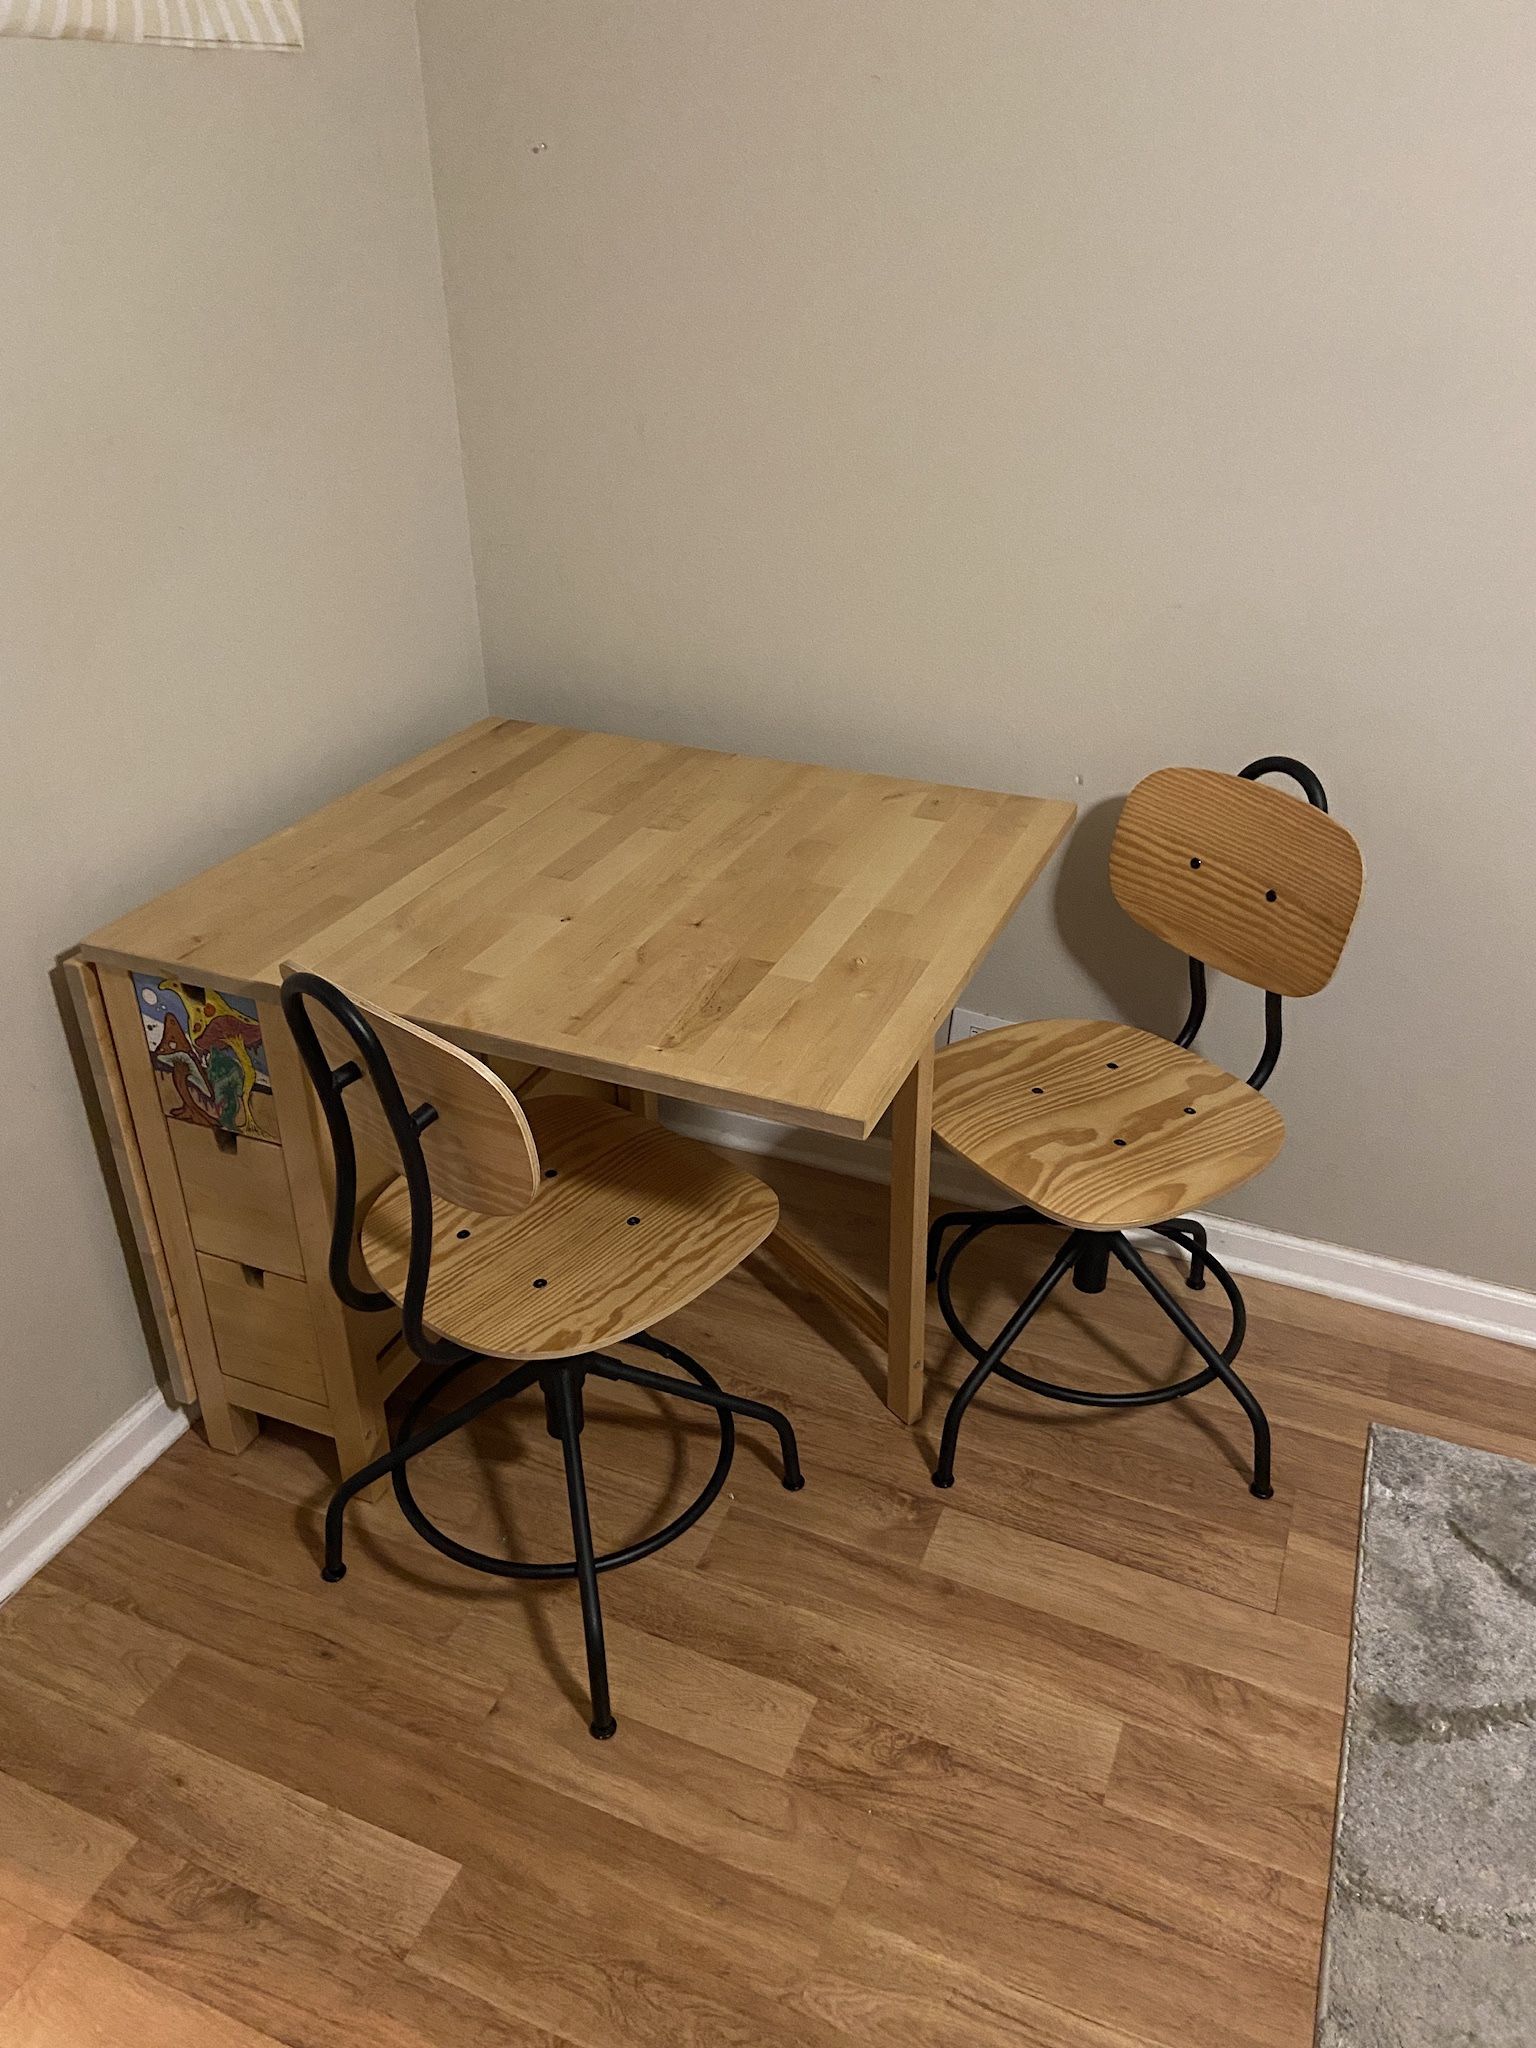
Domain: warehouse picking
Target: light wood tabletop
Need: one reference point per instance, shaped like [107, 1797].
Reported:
[759, 934]
[762, 936]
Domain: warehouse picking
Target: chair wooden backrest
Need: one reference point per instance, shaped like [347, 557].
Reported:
[420, 1107]
[1253, 881]
[479, 1150]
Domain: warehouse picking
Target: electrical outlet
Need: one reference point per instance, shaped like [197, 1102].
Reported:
[971, 1024]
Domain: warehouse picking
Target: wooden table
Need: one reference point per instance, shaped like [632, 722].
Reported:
[759, 935]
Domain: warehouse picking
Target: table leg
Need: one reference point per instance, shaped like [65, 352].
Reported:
[640, 1102]
[911, 1144]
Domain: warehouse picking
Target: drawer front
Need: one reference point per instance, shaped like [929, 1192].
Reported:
[237, 1200]
[209, 1057]
[263, 1328]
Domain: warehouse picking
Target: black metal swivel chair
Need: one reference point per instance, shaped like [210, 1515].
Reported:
[534, 1236]
[1107, 1129]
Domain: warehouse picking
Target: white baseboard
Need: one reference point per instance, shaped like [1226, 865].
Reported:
[42, 1526]
[1424, 1292]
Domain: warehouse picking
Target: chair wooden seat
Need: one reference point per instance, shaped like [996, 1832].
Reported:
[1099, 1125]
[572, 1272]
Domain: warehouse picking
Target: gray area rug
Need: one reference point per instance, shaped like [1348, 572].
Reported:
[1431, 1939]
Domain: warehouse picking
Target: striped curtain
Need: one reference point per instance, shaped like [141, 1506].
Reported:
[239, 24]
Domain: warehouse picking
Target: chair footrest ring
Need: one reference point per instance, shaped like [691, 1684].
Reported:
[1085, 1397]
[565, 1568]
[974, 1223]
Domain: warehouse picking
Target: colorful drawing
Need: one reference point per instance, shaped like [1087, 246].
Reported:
[210, 1064]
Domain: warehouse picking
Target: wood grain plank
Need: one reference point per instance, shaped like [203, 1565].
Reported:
[546, 1877]
[1222, 1636]
[1026, 1828]
[630, 1973]
[873, 1985]
[52, 1856]
[306, 1631]
[1237, 1557]
[467, 1808]
[393, 1583]
[746, 1717]
[207, 1938]
[1020, 1663]
[79, 1998]
[727, 1808]
[1103, 1960]
[879, 1770]
[365, 1881]
[1276, 1820]
[83, 1651]
[873, 1657]
[25, 1939]
[1318, 1584]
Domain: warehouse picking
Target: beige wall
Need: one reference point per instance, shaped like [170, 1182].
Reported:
[234, 571]
[1034, 392]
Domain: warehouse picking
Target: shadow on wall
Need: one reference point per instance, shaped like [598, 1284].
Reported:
[1142, 980]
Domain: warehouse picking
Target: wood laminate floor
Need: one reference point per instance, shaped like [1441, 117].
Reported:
[1048, 1761]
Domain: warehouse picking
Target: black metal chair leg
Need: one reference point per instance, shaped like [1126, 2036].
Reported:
[981, 1372]
[552, 1410]
[1180, 1228]
[560, 1387]
[936, 1231]
[605, 1368]
[955, 1219]
[1090, 1271]
[397, 1455]
[1262, 1487]
[962, 1219]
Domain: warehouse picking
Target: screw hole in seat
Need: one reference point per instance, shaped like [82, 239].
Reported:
[463, 1233]
[1271, 895]
[1119, 1141]
[1037, 1091]
[541, 1283]
[1196, 861]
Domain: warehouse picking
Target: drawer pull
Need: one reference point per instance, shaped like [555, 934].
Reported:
[253, 1275]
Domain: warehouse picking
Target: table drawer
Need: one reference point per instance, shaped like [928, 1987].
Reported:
[237, 1200]
[263, 1327]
